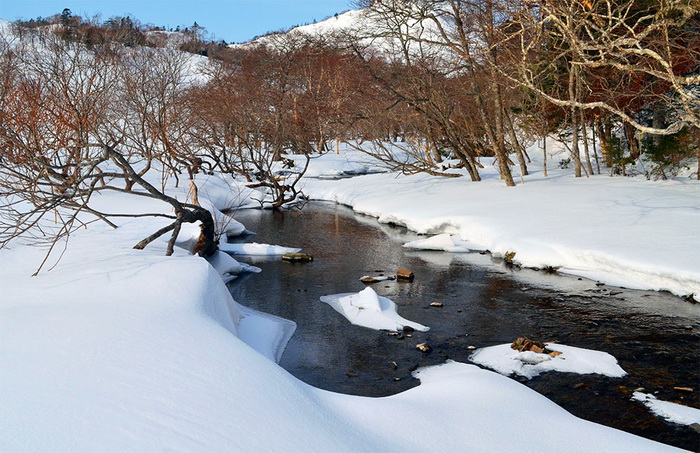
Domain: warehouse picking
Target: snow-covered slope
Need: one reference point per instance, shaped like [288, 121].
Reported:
[347, 21]
[370, 28]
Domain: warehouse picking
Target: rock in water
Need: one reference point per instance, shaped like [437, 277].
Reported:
[423, 347]
[405, 274]
[297, 257]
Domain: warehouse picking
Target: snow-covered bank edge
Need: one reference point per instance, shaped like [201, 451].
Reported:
[645, 244]
[671, 412]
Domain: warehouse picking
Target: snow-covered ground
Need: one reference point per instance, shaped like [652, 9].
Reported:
[622, 231]
[529, 364]
[118, 349]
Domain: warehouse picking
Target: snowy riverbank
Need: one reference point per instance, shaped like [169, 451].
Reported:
[124, 350]
[622, 231]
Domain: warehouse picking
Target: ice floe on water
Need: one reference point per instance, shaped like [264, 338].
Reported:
[507, 361]
[368, 309]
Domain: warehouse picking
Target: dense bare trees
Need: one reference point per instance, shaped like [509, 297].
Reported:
[66, 134]
[632, 62]
[85, 109]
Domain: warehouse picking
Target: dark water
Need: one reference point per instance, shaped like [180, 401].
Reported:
[654, 336]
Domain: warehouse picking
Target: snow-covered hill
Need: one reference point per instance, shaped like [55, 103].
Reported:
[371, 29]
[348, 21]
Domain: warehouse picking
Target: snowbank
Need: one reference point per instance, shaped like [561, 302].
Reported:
[672, 412]
[256, 249]
[128, 350]
[367, 309]
[460, 407]
[507, 361]
[445, 242]
[228, 267]
[622, 231]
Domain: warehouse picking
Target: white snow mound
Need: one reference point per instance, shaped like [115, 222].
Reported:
[367, 309]
[507, 361]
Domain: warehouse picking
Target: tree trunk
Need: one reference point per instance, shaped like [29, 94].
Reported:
[206, 245]
[173, 237]
[516, 145]
[575, 153]
[586, 151]
[595, 149]
[658, 120]
[544, 152]
[632, 142]
[496, 137]
[604, 139]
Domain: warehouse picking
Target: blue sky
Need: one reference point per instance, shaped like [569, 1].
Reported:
[231, 20]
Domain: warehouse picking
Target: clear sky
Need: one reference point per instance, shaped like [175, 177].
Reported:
[231, 20]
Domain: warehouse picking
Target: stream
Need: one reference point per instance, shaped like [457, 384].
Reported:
[654, 336]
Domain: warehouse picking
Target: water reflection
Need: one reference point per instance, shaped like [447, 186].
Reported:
[485, 303]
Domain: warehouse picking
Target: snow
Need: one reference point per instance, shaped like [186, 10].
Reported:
[330, 26]
[373, 30]
[368, 309]
[267, 334]
[460, 407]
[445, 242]
[622, 231]
[379, 278]
[256, 249]
[228, 267]
[672, 412]
[128, 350]
[117, 349]
[332, 166]
[507, 361]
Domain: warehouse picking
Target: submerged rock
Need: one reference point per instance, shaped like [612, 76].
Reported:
[297, 257]
[423, 347]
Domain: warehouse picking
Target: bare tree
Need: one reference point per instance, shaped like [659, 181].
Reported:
[250, 118]
[58, 146]
[628, 54]
[460, 40]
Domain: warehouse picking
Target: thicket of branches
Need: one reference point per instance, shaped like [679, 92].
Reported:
[86, 108]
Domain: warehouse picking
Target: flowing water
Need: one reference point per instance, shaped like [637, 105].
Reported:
[654, 336]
